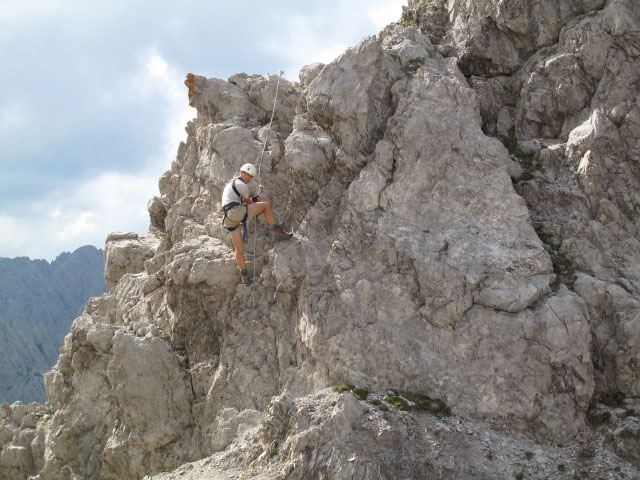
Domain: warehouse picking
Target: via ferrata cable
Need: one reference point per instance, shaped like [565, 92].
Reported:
[255, 237]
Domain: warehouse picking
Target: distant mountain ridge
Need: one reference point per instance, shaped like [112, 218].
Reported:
[38, 302]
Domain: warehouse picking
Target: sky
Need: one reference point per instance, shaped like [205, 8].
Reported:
[93, 104]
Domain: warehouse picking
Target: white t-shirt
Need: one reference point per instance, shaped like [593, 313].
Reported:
[229, 196]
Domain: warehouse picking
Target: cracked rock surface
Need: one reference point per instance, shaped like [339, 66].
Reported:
[429, 257]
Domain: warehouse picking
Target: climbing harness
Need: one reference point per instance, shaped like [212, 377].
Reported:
[229, 206]
[255, 237]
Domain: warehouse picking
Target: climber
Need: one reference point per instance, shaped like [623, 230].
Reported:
[239, 208]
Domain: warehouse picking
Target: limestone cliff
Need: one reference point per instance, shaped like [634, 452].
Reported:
[463, 192]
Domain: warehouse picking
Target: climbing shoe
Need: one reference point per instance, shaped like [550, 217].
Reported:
[280, 234]
[246, 278]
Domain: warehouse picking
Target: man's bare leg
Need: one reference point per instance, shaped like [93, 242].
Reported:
[265, 209]
[238, 245]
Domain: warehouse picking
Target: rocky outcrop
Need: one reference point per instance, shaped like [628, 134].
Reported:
[127, 252]
[330, 435]
[38, 302]
[469, 312]
[568, 114]
[497, 37]
[583, 181]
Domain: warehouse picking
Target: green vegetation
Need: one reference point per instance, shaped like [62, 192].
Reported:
[519, 476]
[274, 451]
[343, 387]
[563, 267]
[401, 401]
[411, 15]
[418, 401]
[360, 393]
[613, 399]
[414, 65]
[598, 418]
[42, 420]
[629, 412]
[587, 453]
[396, 401]
[561, 467]
[526, 159]
[160, 234]
[424, 402]
[630, 434]
[529, 455]
[489, 123]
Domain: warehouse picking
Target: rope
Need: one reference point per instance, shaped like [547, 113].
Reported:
[255, 236]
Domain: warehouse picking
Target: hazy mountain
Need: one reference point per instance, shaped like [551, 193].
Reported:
[38, 302]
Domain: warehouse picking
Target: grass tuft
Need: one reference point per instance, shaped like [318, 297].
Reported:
[414, 65]
[343, 387]
[587, 453]
[360, 393]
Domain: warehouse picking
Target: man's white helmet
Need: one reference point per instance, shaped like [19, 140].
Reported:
[249, 168]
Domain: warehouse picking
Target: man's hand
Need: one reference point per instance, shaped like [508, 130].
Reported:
[255, 199]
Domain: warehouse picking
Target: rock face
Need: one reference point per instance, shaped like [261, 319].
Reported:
[569, 115]
[471, 239]
[38, 302]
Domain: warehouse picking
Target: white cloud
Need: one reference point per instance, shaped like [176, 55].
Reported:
[14, 234]
[14, 116]
[83, 213]
[16, 10]
[322, 35]
[166, 81]
[383, 13]
[300, 42]
[87, 210]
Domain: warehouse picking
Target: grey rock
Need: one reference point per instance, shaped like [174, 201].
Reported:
[309, 72]
[126, 253]
[17, 457]
[416, 268]
[495, 38]
[157, 213]
[617, 341]
[221, 101]
[340, 437]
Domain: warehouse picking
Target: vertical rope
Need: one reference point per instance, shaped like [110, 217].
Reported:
[254, 220]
